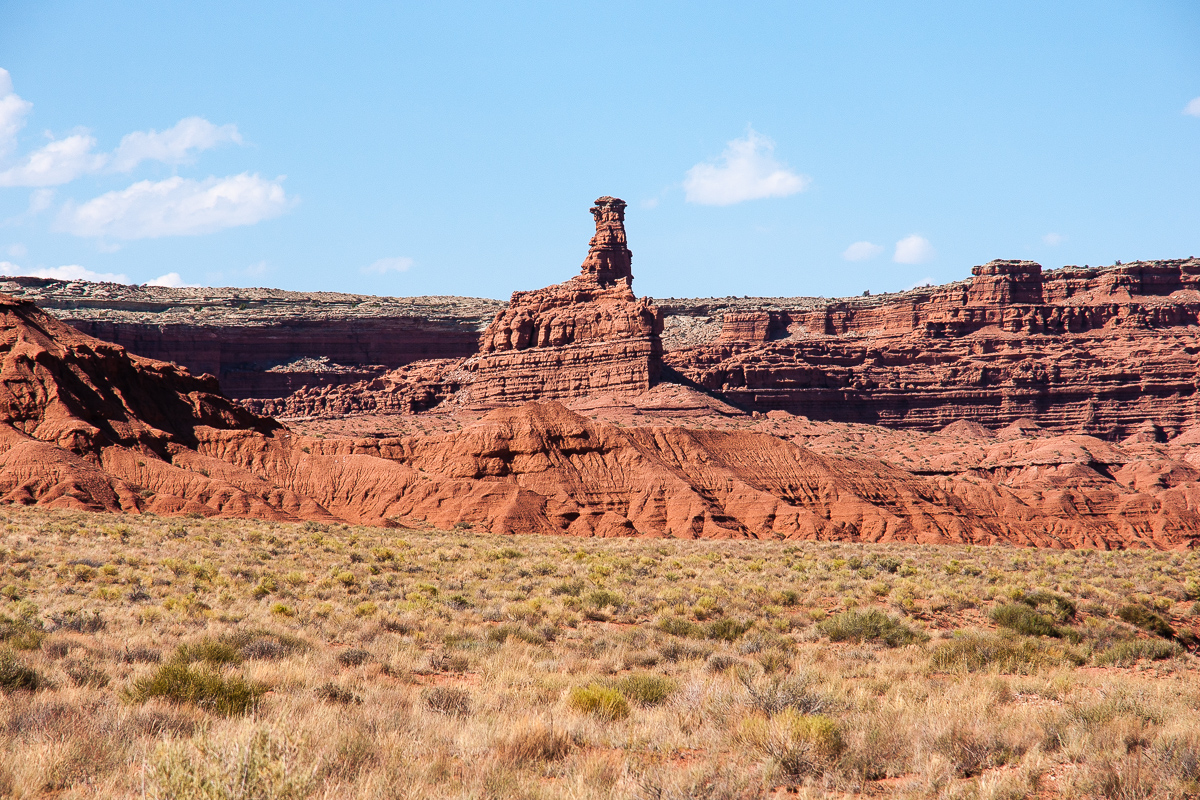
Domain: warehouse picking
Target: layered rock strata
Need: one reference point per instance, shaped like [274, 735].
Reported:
[588, 335]
[1098, 351]
[266, 343]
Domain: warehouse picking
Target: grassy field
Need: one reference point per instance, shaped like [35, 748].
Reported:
[153, 657]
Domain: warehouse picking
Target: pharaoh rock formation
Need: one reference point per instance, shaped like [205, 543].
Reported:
[577, 338]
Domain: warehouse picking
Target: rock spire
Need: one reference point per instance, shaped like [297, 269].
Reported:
[609, 258]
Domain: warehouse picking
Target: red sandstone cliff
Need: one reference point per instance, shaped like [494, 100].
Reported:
[86, 425]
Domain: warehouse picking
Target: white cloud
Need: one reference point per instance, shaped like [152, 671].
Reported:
[177, 207]
[61, 161]
[1192, 109]
[861, 251]
[70, 272]
[172, 280]
[174, 145]
[747, 170]
[385, 265]
[913, 250]
[17, 250]
[12, 113]
[1054, 239]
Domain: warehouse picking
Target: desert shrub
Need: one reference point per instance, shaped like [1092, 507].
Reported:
[20, 634]
[725, 629]
[798, 744]
[602, 598]
[646, 689]
[1025, 620]
[353, 657]
[1005, 652]
[16, 676]
[139, 655]
[447, 700]
[266, 645]
[719, 662]
[677, 626]
[1146, 619]
[780, 694]
[599, 701]
[333, 693]
[1125, 654]
[179, 682]
[535, 742]
[84, 674]
[869, 626]
[676, 650]
[263, 766]
[80, 622]
[572, 588]
[1060, 607]
[211, 651]
[502, 633]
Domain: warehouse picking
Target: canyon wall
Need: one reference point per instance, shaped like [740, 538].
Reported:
[1098, 350]
[265, 343]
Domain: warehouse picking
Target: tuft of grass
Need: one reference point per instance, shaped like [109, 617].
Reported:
[726, 629]
[447, 700]
[15, 676]
[797, 744]
[1125, 654]
[599, 701]
[1005, 652]
[869, 626]
[211, 651]
[333, 693]
[20, 635]
[534, 742]
[179, 682]
[502, 633]
[646, 689]
[1023, 619]
[1146, 619]
[353, 657]
[678, 626]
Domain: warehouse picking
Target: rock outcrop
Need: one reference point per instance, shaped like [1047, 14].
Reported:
[86, 425]
[266, 343]
[1097, 351]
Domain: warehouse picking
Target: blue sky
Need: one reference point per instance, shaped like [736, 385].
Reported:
[764, 149]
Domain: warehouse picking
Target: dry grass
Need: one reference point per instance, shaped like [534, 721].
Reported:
[147, 657]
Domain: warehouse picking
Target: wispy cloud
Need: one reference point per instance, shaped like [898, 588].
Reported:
[1192, 109]
[61, 161]
[1054, 239]
[861, 251]
[913, 249]
[70, 272]
[175, 145]
[746, 170]
[386, 265]
[177, 207]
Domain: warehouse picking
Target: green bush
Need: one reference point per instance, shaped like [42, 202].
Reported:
[646, 689]
[1004, 652]
[678, 626]
[502, 633]
[599, 701]
[725, 630]
[20, 635]
[1125, 654]
[602, 597]
[869, 626]
[1024, 620]
[1147, 620]
[178, 682]
[15, 676]
[1058, 606]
